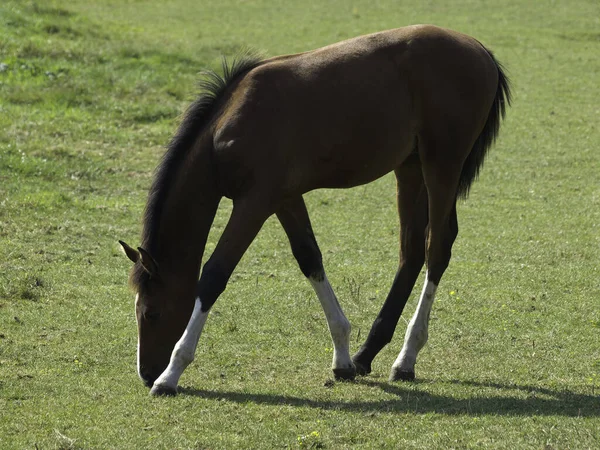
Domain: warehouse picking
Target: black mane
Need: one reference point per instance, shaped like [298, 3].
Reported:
[212, 87]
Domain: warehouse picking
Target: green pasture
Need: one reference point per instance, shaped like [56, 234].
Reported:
[90, 93]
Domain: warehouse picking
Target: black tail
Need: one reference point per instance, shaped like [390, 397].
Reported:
[487, 137]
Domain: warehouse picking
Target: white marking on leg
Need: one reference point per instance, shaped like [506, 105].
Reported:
[338, 324]
[417, 331]
[183, 353]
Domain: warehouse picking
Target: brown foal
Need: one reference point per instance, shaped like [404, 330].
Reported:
[422, 101]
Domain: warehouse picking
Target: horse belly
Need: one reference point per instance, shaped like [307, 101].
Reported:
[361, 146]
[356, 165]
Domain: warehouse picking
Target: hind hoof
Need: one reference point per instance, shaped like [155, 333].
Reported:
[402, 375]
[347, 374]
[163, 391]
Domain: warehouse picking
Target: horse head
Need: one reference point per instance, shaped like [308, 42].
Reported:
[161, 320]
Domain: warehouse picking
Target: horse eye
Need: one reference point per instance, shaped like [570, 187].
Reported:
[151, 315]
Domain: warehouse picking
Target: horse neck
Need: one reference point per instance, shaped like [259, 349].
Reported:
[187, 216]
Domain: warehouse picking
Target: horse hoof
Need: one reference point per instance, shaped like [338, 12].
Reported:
[347, 374]
[402, 375]
[163, 391]
[362, 369]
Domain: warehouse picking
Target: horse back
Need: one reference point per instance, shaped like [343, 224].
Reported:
[348, 113]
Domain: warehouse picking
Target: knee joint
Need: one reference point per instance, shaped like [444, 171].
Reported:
[309, 258]
[212, 283]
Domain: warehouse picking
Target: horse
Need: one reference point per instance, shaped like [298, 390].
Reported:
[422, 101]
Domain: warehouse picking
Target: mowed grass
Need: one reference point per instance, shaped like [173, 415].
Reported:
[90, 93]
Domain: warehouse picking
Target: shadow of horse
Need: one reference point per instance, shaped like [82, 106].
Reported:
[508, 400]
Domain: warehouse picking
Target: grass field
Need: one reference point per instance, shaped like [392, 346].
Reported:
[90, 92]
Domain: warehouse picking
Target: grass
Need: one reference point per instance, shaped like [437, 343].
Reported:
[89, 95]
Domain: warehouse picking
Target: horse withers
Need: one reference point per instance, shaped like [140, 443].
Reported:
[422, 101]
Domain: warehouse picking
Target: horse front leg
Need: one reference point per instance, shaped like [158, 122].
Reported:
[183, 353]
[247, 218]
[296, 223]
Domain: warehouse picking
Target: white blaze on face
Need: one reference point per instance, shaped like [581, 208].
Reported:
[137, 299]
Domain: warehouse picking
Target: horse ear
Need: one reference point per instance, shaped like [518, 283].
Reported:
[131, 253]
[148, 262]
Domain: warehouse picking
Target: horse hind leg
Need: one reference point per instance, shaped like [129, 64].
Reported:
[412, 210]
[296, 223]
[442, 182]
